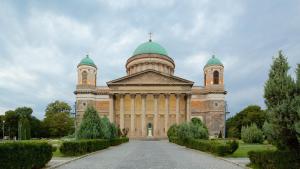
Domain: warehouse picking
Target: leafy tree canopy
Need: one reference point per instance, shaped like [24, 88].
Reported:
[249, 115]
[57, 107]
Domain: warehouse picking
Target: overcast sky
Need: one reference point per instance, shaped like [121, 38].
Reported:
[42, 42]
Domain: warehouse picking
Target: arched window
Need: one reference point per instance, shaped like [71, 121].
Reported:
[204, 79]
[84, 77]
[216, 77]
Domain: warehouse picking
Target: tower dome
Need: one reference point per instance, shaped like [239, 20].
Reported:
[150, 47]
[213, 61]
[87, 61]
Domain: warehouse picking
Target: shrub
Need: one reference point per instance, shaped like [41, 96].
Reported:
[113, 131]
[24, 154]
[184, 133]
[105, 128]
[90, 126]
[197, 121]
[54, 148]
[79, 147]
[252, 134]
[172, 132]
[274, 159]
[198, 131]
[215, 147]
[118, 141]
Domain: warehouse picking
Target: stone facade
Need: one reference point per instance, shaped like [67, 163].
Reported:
[149, 99]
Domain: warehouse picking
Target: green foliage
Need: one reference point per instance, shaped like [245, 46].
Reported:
[24, 111]
[251, 134]
[79, 147]
[24, 128]
[198, 131]
[251, 114]
[184, 133]
[35, 127]
[105, 128]
[11, 123]
[24, 155]
[283, 103]
[118, 141]
[172, 132]
[113, 131]
[212, 146]
[268, 132]
[90, 126]
[297, 100]
[57, 107]
[58, 122]
[197, 121]
[274, 159]
[191, 130]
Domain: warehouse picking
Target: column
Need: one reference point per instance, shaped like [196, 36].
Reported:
[177, 108]
[132, 115]
[155, 114]
[111, 108]
[143, 114]
[188, 107]
[122, 112]
[167, 96]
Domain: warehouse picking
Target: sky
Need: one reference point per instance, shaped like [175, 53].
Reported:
[41, 43]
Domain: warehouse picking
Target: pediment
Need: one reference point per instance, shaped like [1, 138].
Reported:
[150, 77]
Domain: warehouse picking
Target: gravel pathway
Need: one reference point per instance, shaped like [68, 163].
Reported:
[149, 155]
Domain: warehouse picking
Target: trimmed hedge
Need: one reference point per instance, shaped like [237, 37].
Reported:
[274, 159]
[118, 141]
[80, 147]
[24, 154]
[215, 147]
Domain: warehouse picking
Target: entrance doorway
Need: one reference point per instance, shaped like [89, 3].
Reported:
[149, 130]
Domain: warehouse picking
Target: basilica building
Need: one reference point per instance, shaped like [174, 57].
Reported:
[150, 98]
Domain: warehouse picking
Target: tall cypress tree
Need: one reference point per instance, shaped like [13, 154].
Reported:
[297, 100]
[90, 126]
[280, 100]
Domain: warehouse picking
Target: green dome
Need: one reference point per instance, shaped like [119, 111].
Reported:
[87, 61]
[213, 61]
[150, 47]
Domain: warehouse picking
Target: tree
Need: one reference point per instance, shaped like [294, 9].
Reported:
[57, 107]
[282, 104]
[24, 113]
[11, 123]
[2, 117]
[90, 126]
[251, 114]
[36, 127]
[105, 127]
[297, 98]
[58, 121]
[24, 128]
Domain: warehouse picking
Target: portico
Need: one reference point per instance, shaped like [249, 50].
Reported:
[161, 101]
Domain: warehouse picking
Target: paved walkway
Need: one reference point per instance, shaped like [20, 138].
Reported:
[149, 155]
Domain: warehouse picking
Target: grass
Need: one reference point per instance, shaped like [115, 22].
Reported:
[57, 153]
[244, 148]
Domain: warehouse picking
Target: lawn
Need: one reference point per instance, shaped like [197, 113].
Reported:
[244, 148]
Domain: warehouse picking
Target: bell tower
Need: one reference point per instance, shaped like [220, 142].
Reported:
[87, 72]
[214, 74]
